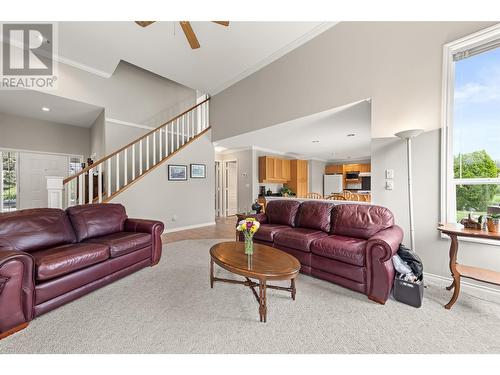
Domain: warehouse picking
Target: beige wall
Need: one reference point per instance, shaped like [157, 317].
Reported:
[97, 137]
[176, 203]
[399, 66]
[130, 94]
[25, 133]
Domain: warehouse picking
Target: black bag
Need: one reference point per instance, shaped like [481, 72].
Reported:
[412, 259]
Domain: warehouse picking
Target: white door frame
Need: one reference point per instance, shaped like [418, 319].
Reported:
[224, 185]
[218, 188]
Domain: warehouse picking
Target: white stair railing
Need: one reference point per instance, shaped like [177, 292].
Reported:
[108, 176]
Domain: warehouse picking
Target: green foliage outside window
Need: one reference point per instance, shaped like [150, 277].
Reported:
[477, 164]
[9, 176]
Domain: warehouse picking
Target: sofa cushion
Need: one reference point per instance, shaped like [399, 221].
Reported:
[35, 229]
[314, 215]
[267, 232]
[346, 249]
[360, 220]
[298, 238]
[122, 243]
[94, 220]
[61, 260]
[282, 212]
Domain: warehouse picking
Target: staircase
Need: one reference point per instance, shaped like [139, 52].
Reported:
[111, 175]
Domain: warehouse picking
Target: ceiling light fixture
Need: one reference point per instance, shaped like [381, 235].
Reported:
[46, 109]
[351, 134]
[315, 141]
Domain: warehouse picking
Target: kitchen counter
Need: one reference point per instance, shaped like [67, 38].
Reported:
[271, 198]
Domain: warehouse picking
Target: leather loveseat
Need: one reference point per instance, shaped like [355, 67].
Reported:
[348, 244]
[49, 257]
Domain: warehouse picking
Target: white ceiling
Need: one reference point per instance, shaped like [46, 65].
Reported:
[295, 138]
[227, 54]
[29, 103]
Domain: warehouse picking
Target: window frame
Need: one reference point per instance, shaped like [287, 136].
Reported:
[448, 180]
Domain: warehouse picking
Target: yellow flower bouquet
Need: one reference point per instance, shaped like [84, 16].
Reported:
[248, 227]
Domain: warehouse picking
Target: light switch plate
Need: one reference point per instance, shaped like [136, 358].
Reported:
[389, 173]
[389, 185]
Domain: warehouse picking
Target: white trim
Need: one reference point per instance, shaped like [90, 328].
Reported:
[274, 56]
[86, 68]
[126, 123]
[448, 211]
[483, 241]
[446, 281]
[39, 152]
[194, 226]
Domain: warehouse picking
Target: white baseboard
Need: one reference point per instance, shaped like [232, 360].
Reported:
[189, 227]
[446, 281]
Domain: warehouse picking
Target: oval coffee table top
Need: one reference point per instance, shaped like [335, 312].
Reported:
[266, 262]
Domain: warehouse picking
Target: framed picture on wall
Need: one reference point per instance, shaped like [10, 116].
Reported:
[198, 171]
[177, 172]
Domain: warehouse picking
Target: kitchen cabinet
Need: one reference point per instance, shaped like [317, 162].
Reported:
[299, 177]
[365, 168]
[334, 169]
[286, 169]
[273, 169]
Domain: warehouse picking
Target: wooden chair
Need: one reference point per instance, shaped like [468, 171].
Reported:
[349, 196]
[336, 197]
[313, 196]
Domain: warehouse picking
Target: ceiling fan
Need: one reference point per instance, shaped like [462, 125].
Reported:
[188, 30]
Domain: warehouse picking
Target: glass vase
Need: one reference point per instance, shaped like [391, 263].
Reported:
[248, 245]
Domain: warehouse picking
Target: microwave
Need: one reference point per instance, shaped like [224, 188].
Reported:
[352, 176]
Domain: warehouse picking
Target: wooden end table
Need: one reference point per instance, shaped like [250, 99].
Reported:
[266, 263]
[460, 270]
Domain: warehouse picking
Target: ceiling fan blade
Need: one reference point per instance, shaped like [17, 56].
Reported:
[223, 23]
[144, 23]
[190, 35]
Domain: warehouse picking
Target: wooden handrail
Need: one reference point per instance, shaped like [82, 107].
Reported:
[95, 164]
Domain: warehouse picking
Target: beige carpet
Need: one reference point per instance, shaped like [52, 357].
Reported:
[170, 308]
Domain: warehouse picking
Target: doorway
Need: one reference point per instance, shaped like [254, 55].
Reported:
[230, 188]
[218, 189]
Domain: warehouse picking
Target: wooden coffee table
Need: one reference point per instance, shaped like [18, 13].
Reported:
[266, 263]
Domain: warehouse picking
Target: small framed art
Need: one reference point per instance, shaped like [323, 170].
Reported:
[198, 171]
[177, 172]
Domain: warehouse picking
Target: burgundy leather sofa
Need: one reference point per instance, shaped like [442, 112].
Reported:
[49, 257]
[347, 244]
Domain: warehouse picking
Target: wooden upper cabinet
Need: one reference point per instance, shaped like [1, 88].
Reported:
[286, 171]
[334, 169]
[299, 181]
[365, 168]
[272, 169]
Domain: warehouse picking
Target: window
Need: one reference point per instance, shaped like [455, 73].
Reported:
[8, 181]
[471, 153]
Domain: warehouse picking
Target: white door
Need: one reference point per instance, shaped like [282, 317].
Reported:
[231, 188]
[33, 168]
[218, 189]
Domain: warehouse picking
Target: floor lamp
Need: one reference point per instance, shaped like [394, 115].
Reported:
[408, 135]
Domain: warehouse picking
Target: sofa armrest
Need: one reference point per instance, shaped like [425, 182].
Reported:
[155, 228]
[380, 249]
[17, 287]
[389, 239]
[261, 218]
